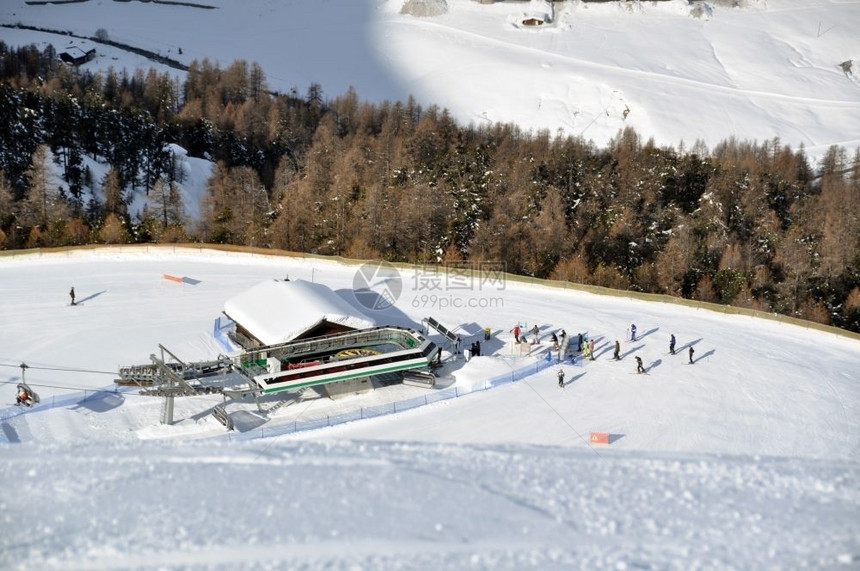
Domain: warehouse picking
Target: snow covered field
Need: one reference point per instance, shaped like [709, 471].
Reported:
[675, 71]
[748, 458]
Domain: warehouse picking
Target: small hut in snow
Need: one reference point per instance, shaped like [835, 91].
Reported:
[76, 56]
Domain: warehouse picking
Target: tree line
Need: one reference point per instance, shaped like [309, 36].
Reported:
[748, 223]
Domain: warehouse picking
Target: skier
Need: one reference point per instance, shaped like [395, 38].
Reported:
[561, 378]
[516, 332]
[672, 344]
[536, 333]
[591, 349]
[639, 367]
[554, 341]
[617, 354]
[585, 350]
[579, 343]
[633, 332]
[691, 355]
[72, 294]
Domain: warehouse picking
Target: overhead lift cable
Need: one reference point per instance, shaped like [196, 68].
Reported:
[63, 369]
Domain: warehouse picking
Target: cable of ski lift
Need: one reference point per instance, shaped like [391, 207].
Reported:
[64, 387]
[62, 369]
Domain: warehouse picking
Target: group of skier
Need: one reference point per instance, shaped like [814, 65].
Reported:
[586, 348]
[475, 349]
[672, 348]
[672, 342]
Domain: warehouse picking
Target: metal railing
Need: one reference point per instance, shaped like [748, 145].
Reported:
[324, 421]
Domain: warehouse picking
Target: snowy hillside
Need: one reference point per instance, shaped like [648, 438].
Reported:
[748, 458]
[675, 71]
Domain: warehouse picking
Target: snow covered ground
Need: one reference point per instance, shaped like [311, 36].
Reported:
[748, 458]
[675, 71]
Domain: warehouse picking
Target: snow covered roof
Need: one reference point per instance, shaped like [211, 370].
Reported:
[277, 311]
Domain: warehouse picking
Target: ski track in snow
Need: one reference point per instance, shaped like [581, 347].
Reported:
[608, 71]
[491, 507]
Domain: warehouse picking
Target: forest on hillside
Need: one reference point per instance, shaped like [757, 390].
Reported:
[747, 223]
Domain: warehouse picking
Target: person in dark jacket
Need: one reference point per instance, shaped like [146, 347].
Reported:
[561, 378]
[639, 367]
[72, 294]
[691, 355]
[672, 344]
[617, 354]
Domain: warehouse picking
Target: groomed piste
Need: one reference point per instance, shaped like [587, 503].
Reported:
[746, 458]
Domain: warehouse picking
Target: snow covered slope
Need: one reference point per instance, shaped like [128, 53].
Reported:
[675, 71]
[748, 458]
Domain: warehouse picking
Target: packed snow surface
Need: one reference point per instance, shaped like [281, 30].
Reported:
[748, 458]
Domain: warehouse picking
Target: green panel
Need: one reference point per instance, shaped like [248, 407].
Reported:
[346, 376]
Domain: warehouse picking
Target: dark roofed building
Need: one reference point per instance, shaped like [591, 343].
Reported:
[76, 56]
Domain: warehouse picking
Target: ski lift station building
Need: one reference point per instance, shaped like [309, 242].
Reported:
[278, 311]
